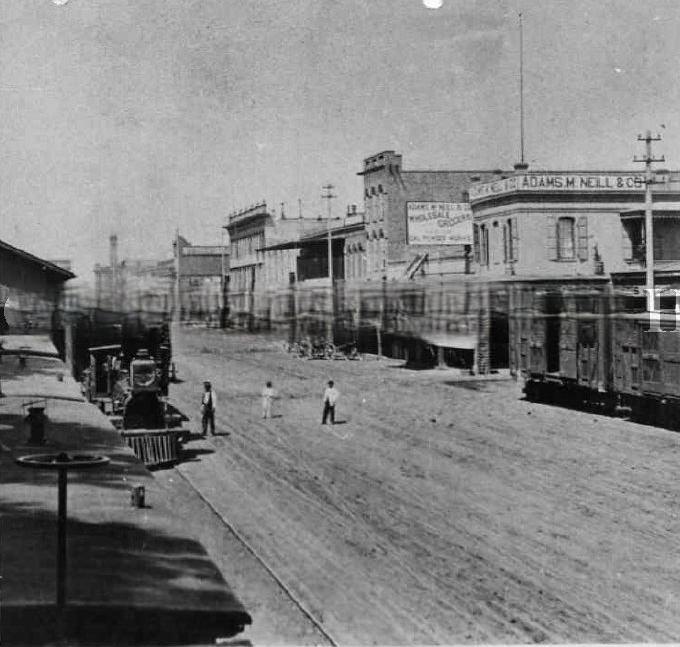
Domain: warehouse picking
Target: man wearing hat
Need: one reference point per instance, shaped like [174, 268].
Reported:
[208, 404]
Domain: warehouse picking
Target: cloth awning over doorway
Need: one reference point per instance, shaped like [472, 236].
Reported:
[451, 340]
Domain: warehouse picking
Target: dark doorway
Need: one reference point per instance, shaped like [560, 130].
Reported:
[498, 340]
[553, 308]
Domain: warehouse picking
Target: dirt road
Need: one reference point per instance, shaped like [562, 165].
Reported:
[439, 511]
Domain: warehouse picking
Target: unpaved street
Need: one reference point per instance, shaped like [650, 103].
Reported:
[439, 511]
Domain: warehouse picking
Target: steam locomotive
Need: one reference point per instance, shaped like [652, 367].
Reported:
[128, 379]
[133, 392]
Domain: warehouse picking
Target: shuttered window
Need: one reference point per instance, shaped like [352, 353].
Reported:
[514, 240]
[582, 228]
[475, 242]
[510, 240]
[566, 247]
[626, 243]
[483, 245]
[551, 237]
[506, 250]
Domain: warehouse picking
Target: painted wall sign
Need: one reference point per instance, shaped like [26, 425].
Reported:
[439, 223]
[560, 182]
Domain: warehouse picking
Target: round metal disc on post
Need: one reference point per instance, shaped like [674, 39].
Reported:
[62, 462]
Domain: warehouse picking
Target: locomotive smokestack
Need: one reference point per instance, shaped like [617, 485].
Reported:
[113, 261]
[113, 251]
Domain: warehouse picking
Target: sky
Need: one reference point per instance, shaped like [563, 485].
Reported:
[138, 117]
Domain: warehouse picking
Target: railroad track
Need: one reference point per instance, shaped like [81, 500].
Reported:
[297, 602]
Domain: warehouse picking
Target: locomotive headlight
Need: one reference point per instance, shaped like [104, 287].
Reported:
[144, 379]
[143, 374]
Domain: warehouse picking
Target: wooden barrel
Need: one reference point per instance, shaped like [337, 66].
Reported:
[154, 446]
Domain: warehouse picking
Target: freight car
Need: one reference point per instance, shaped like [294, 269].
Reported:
[586, 346]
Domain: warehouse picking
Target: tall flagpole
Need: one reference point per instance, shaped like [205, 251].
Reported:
[521, 89]
[521, 165]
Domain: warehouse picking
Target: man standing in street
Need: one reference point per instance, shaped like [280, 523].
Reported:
[208, 405]
[268, 394]
[330, 397]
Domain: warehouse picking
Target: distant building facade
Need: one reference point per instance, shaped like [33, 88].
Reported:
[202, 273]
[417, 222]
[153, 286]
[132, 284]
[256, 263]
[572, 223]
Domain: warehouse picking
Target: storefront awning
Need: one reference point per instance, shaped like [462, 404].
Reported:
[451, 340]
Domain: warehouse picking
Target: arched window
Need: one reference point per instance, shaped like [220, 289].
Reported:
[566, 244]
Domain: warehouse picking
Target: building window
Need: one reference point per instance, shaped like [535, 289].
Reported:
[510, 242]
[566, 247]
[483, 245]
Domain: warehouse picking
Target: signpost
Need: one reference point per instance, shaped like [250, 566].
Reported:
[62, 463]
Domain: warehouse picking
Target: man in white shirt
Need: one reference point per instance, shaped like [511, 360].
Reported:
[208, 405]
[268, 394]
[330, 397]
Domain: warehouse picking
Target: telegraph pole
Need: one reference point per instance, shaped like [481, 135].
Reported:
[649, 222]
[328, 195]
[223, 282]
[177, 315]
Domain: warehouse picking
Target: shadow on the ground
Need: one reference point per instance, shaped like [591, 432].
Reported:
[190, 454]
[411, 366]
[126, 585]
[190, 436]
[470, 385]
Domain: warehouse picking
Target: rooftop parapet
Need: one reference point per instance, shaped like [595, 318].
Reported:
[259, 209]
